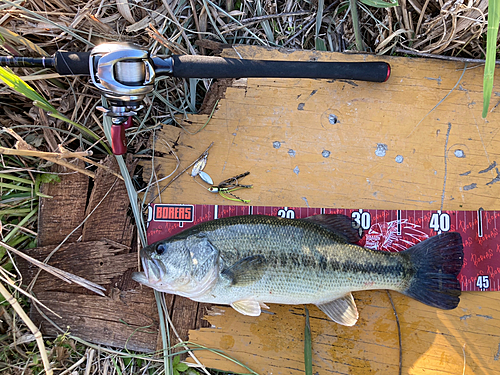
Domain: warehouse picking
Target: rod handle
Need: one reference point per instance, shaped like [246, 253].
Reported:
[187, 66]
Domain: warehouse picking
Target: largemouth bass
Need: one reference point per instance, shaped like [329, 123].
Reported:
[248, 261]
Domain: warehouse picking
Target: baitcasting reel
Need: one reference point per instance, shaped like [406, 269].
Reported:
[124, 74]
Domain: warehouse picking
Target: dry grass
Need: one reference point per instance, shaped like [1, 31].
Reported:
[40, 27]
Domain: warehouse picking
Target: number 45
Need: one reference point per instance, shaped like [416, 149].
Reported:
[483, 282]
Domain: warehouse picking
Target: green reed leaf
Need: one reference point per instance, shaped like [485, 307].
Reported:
[18, 85]
[380, 3]
[491, 48]
[307, 346]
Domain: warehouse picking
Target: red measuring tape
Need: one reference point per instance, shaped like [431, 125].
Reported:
[387, 230]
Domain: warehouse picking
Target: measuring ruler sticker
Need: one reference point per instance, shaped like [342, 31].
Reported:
[385, 230]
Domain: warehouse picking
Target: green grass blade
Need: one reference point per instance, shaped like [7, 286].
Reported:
[307, 346]
[21, 223]
[15, 212]
[355, 25]
[381, 3]
[21, 180]
[14, 187]
[491, 47]
[17, 84]
[319, 44]
[265, 24]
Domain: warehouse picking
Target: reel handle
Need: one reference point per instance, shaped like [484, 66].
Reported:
[118, 140]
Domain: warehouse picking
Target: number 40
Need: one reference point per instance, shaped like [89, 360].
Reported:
[440, 222]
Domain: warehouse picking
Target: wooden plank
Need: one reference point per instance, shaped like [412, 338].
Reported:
[58, 216]
[434, 342]
[322, 143]
[107, 208]
[126, 317]
[184, 314]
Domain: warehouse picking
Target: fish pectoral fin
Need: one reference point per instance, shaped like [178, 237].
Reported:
[342, 310]
[247, 307]
[245, 271]
[339, 224]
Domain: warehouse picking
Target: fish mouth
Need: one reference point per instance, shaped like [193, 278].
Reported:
[153, 272]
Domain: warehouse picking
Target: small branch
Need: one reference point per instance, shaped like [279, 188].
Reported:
[65, 154]
[175, 48]
[24, 149]
[54, 157]
[106, 168]
[442, 57]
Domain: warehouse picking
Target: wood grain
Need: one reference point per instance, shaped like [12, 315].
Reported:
[126, 317]
[107, 208]
[58, 215]
[434, 342]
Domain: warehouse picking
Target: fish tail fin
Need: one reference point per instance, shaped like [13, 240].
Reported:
[437, 262]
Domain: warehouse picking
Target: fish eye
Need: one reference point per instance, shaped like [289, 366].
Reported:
[160, 249]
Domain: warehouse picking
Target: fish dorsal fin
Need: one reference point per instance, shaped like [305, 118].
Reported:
[338, 224]
[342, 310]
[247, 307]
[245, 271]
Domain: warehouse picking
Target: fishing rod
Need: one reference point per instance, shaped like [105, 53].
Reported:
[125, 73]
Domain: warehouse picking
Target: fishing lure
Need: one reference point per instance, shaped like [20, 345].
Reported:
[226, 187]
[199, 165]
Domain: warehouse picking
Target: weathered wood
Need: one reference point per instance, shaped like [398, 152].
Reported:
[107, 208]
[184, 316]
[126, 317]
[349, 144]
[59, 215]
[117, 319]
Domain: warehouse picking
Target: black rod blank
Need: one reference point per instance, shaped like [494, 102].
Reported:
[65, 63]
[27, 62]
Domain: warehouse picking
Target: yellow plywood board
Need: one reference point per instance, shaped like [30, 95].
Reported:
[434, 157]
[320, 143]
[433, 341]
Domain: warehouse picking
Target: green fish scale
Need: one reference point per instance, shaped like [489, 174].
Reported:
[304, 262]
